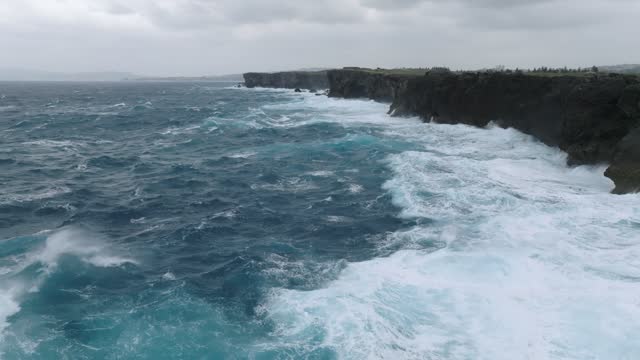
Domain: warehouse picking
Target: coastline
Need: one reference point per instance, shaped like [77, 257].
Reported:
[593, 117]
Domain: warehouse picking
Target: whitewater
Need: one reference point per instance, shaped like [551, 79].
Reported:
[190, 220]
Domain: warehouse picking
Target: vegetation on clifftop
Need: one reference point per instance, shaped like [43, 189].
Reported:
[541, 71]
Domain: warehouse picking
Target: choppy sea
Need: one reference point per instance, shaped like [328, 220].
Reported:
[168, 220]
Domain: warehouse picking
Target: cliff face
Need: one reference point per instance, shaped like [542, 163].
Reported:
[288, 80]
[582, 116]
[594, 119]
[625, 168]
[360, 84]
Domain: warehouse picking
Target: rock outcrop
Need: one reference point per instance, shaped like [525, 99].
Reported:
[625, 168]
[581, 115]
[288, 80]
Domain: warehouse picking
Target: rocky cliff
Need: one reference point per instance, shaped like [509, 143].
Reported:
[593, 118]
[365, 84]
[288, 80]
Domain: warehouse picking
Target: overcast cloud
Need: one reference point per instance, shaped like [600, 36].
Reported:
[195, 37]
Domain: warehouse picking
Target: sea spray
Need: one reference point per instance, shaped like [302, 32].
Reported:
[523, 258]
[26, 273]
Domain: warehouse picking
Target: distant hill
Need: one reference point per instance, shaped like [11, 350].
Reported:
[623, 69]
[14, 74]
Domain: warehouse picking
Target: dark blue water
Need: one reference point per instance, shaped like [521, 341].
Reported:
[199, 221]
[196, 199]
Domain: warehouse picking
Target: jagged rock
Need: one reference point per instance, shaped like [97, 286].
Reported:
[625, 168]
[297, 90]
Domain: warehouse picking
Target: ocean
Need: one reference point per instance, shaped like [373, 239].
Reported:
[168, 220]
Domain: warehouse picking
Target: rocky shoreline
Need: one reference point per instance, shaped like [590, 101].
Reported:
[594, 118]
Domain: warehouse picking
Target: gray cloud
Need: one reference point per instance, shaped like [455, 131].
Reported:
[403, 4]
[320, 11]
[117, 8]
[219, 36]
[542, 15]
[496, 14]
[210, 13]
[391, 4]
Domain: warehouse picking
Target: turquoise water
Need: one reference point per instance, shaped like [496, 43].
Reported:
[200, 221]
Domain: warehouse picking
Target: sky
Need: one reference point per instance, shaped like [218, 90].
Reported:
[208, 37]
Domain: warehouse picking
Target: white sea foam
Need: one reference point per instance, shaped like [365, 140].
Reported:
[242, 155]
[525, 259]
[82, 166]
[58, 107]
[169, 276]
[305, 272]
[8, 307]
[55, 144]
[337, 219]
[46, 193]
[321, 173]
[307, 108]
[86, 246]
[291, 184]
[229, 214]
[181, 130]
[355, 188]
